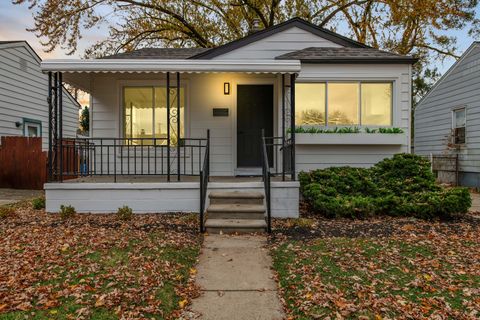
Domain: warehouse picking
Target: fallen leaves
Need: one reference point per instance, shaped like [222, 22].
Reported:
[94, 266]
[384, 268]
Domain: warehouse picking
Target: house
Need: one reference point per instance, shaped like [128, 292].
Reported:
[447, 121]
[23, 102]
[163, 119]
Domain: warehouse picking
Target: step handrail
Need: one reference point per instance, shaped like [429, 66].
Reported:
[204, 177]
[266, 177]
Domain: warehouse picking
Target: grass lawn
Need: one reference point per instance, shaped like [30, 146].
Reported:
[96, 266]
[378, 269]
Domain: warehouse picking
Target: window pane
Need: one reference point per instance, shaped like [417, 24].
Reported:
[343, 103]
[310, 103]
[161, 113]
[32, 131]
[138, 112]
[459, 118]
[376, 104]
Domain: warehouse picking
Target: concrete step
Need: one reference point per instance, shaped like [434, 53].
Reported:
[235, 197]
[236, 211]
[235, 225]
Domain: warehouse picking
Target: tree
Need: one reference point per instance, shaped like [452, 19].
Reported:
[415, 27]
[85, 120]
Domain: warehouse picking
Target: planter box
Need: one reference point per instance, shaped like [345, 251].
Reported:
[351, 138]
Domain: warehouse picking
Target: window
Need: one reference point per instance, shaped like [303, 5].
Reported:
[459, 124]
[32, 128]
[310, 103]
[344, 103]
[145, 113]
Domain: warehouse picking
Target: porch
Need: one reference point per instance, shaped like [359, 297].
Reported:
[161, 143]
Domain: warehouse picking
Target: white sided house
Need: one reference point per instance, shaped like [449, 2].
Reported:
[447, 122]
[218, 130]
[23, 103]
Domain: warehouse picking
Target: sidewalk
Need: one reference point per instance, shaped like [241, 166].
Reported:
[9, 196]
[236, 280]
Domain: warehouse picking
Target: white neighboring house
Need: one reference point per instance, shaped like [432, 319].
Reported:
[447, 119]
[291, 75]
[23, 89]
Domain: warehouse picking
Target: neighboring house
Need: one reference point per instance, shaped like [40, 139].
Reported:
[23, 88]
[290, 75]
[447, 120]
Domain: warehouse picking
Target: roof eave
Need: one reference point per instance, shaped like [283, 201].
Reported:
[360, 61]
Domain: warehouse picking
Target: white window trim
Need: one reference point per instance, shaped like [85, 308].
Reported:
[392, 82]
[121, 84]
[453, 118]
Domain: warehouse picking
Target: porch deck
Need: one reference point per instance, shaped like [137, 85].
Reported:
[163, 178]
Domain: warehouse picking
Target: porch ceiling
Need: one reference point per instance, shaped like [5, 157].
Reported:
[78, 72]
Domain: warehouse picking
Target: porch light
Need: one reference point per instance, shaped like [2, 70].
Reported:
[226, 88]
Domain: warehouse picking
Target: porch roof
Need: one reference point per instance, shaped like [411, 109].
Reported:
[169, 65]
[79, 72]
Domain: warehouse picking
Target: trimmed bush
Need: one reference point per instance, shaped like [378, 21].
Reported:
[125, 213]
[38, 203]
[67, 211]
[399, 186]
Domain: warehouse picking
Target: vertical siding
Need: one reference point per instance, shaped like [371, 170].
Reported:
[433, 116]
[277, 44]
[310, 157]
[23, 94]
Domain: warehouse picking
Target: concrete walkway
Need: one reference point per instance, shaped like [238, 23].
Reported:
[475, 202]
[236, 280]
[9, 196]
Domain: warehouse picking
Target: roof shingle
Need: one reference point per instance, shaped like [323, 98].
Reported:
[158, 53]
[345, 55]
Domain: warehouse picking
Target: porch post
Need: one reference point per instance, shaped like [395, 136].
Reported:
[60, 121]
[50, 127]
[292, 122]
[168, 126]
[178, 126]
[55, 127]
[283, 127]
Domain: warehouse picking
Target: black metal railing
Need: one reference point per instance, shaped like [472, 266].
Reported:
[266, 177]
[279, 150]
[82, 157]
[204, 177]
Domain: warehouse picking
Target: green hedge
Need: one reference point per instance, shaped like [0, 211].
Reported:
[399, 186]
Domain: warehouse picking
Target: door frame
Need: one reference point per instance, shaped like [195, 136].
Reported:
[269, 80]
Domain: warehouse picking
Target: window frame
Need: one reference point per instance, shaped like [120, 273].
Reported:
[37, 123]
[454, 127]
[151, 84]
[359, 105]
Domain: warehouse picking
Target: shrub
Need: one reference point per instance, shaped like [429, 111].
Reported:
[124, 213]
[38, 203]
[66, 211]
[400, 186]
[6, 212]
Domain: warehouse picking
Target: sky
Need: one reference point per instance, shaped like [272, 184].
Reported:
[15, 19]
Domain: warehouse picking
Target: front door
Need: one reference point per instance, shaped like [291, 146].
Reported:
[254, 113]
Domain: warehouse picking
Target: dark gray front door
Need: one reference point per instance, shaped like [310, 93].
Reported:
[254, 113]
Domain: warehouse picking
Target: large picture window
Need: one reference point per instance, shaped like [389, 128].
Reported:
[344, 103]
[145, 113]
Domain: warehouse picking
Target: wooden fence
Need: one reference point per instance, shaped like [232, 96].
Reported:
[23, 164]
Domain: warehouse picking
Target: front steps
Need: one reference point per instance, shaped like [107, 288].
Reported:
[235, 212]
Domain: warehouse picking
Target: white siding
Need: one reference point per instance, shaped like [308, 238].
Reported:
[289, 40]
[433, 116]
[23, 94]
[321, 156]
[205, 92]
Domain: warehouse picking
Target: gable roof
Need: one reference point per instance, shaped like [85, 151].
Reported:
[345, 55]
[445, 75]
[295, 22]
[23, 43]
[158, 53]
